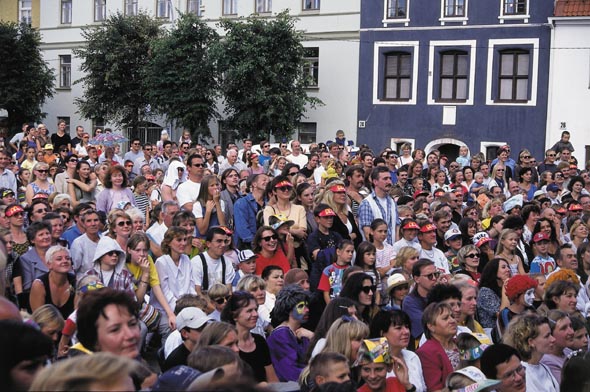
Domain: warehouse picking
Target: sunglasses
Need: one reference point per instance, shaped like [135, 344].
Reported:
[472, 255]
[550, 155]
[368, 289]
[432, 276]
[40, 211]
[124, 223]
[112, 253]
[222, 300]
[43, 171]
[284, 188]
[73, 161]
[199, 165]
[270, 238]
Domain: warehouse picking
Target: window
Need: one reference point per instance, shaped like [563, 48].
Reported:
[163, 9]
[454, 80]
[513, 81]
[230, 7]
[311, 5]
[194, 6]
[307, 132]
[398, 76]
[100, 10]
[514, 7]
[131, 7]
[312, 65]
[454, 8]
[65, 71]
[66, 11]
[397, 9]
[263, 6]
[25, 10]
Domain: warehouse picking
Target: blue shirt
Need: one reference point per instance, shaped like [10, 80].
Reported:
[245, 210]
[71, 234]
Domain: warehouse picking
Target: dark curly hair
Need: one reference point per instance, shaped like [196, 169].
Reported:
[287, 299]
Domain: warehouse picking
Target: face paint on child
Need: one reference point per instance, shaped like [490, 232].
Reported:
[529, 297]
[301, 312]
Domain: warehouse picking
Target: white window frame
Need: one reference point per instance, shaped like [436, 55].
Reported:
[444, 19]
[433, 75]
[386, 20]
[314, 5]
[263, 6]
[524, 17]
[378, 65]
[65, 71]
[131, 7]
[25, 11]
[492, 74]
[100, 10]
[194, 6]
[66, 11]
[229, 7]
[159, 8]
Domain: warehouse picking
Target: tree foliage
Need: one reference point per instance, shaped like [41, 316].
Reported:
[113, 61]
[26, 81]
[182, 75]
[263, 76]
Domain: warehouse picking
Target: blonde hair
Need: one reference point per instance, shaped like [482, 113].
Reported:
[505, 233]
[404, 254]
[112, 219]
[81, 372]
[341, 333]
[249, 281]
[218, 290]
[46, 315]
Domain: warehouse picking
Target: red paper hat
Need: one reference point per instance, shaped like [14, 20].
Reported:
[13, 210]
[411, 226]
[338, 189]
[427, 228]
[284, 184]
[327, 212]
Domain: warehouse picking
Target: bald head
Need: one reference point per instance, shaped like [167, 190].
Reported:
[8, 310]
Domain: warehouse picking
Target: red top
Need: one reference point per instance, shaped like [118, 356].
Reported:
[279, 259]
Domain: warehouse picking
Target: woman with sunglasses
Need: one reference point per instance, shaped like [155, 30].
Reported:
[469, 258]
[270, 250]
[289, 341]
[394, 325]
[211, 161]
[145, 275]
[361, 288]
[82, 185]
[530, 335]
[39, 183]
[116, 191]
[209, 209]
[119, 227]
[241, 311]
[344, 224]
[280, 202]
[219, 295]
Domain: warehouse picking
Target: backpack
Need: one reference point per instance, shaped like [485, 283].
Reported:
[205, 285]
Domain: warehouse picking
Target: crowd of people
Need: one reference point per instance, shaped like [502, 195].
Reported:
[338, 268]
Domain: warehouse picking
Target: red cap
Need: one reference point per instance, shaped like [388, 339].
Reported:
[575, 207]
[418, 193]
[284, 184]
[427, 228]
[541, 237]
[411, 226]
[13, 210]
[327, 212]
[338, 188]
[253, 155]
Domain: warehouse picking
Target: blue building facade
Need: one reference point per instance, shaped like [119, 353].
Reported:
[445, 73]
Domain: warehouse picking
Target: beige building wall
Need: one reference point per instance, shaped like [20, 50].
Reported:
[9, 10]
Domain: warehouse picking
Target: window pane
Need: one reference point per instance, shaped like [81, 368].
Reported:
[507, 66]
[522, 89]
[461, 89]
[391, 88]
[405, 88]
[462, 65]
[405, 65]
[447, 64]
[446, 89]
[506, 89]
[523, 64]
[391, 68]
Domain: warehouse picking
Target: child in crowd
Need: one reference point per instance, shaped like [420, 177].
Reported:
[331, 280]
[543, 263]
[322, 243]
[463, 158]
[366, 259]
[454, 240]
[408, 231]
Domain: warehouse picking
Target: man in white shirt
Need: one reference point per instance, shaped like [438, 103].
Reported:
[232, 161]
[427, 238]
[188, 191]
[247, 148]
[7, 178]
[321, 169]
[135, 152]
[211, 267]
[146, 159]
[157, 231]
[297, 155]
[84, 247]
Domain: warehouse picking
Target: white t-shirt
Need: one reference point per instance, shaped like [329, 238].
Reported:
[300, 160]
[539, 378]
[214, 270]
[438, 258]
[187, 192]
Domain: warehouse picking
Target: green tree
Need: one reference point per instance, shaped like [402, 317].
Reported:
[25, 79]
[264, 83]
[182, 75]
[113, 61]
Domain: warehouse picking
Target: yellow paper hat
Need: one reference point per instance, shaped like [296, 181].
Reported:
[374, 350]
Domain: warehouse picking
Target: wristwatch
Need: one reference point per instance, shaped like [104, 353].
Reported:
[413, 389]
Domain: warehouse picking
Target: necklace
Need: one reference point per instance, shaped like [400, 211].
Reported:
[430, 255]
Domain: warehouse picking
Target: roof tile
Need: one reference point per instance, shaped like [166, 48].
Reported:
[572, 8]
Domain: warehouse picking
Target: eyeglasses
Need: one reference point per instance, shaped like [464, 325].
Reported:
[44, 210]
[73, 161]
[512, 374]
[472, 256]
[42, 171]
[550, 155]
[198, 165]
[270, 238]
[266, 146]
[499, 170]
[526, 157]
[124, 223]
[368, 289]
[148, 149]
[431, 276]
[137, 144]
[222, 300]
[285, 188]
[112, 253]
